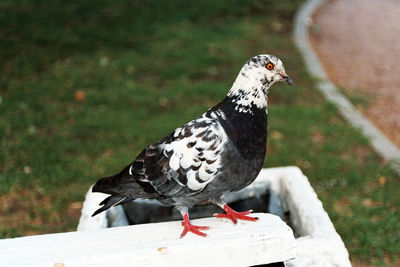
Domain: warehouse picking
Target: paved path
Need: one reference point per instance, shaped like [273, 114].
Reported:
[385, 148]
[358, 43]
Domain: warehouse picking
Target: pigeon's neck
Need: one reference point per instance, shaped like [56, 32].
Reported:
[250, 90]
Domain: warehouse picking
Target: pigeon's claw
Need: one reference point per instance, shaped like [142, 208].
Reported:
[188, 227]
[234, 215]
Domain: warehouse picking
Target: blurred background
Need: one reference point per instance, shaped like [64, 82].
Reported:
[85, 85]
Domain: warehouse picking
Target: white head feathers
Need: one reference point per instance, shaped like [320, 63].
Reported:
[254, 79]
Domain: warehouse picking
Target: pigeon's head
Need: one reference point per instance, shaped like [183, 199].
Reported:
[257, 75]
[267, 67]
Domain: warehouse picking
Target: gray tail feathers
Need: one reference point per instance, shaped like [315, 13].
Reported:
[110, 202]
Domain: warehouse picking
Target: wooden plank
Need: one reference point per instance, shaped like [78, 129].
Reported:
[246, 243]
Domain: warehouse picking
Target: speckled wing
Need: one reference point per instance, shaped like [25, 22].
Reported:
[185, 161]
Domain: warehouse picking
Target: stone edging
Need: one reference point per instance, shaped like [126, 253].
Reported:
[382, 145]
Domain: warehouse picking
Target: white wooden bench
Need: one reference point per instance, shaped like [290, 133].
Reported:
[247, 243]
[269, 240]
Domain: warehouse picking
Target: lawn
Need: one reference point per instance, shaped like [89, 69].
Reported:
[85, 85]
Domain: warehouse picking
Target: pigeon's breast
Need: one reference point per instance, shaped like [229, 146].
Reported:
[247, 132]
[238, 172]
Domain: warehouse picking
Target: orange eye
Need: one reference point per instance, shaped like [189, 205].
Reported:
[270, 66]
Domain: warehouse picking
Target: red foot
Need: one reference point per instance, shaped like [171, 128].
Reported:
[234, 215]
[188, 227]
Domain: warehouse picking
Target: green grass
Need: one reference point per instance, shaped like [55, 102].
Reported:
[360, 99]
[147, 67]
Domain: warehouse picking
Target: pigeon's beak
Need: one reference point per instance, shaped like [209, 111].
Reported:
[286, 79]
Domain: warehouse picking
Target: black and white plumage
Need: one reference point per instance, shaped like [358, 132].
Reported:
[221, 151]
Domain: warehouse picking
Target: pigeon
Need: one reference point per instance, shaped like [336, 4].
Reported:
[221, 151]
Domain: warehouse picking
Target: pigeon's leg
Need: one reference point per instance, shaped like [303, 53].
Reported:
[188, 227]
[232, 214]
